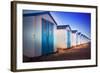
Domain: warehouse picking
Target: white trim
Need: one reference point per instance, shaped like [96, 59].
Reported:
[21, 65]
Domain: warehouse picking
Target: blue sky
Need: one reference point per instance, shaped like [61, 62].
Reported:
[77, 21]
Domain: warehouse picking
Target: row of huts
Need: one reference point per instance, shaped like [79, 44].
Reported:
[68, 38]
[42, 35]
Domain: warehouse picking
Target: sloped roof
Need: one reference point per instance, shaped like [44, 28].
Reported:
[74, 31]
[35, 13]
[63, 26]
[31, 11]
[85, 36]
[79, 33]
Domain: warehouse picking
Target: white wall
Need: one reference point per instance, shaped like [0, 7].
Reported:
[61, 38]
[74, 39]
[5, 38]
[29, 37]
[79, 39]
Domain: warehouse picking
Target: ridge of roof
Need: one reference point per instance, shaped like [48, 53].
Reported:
[63, 26]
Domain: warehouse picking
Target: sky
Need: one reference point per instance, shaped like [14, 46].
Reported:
[77, 21]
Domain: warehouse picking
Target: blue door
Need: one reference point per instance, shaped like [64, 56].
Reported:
[68, 39]
[50, 38]
[47, 37]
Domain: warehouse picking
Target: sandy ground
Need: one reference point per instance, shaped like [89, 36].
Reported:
[75, 53]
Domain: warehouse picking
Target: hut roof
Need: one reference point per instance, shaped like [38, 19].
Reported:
[79, 33]
[63, 27]
[74, 31]
[35, 13]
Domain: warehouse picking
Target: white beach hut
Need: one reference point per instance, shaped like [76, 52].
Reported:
[39, 33]
[63, 36]
[84, 39]
[79, 38]
[74, 38]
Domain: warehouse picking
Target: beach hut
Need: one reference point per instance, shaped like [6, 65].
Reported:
[63, 36]
[88, 40]
[85, 39]
[74, 38]
[79, 38]
[39, 33]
